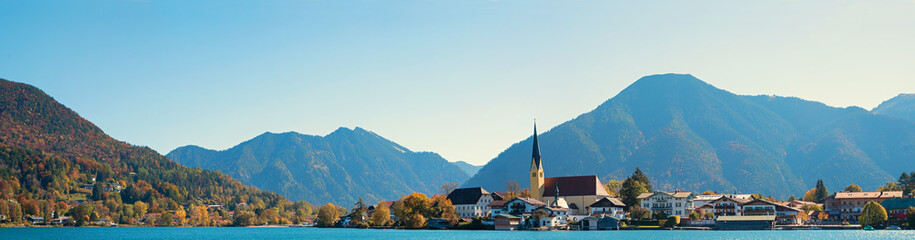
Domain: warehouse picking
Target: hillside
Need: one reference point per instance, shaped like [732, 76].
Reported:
[689, 135]
[47, 152]
[338, 168]
[467, 167]
[901, 106]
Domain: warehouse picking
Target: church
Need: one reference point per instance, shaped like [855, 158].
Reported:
[576, 193]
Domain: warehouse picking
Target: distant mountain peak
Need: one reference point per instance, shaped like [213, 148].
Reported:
[901, 106]
[338, 167]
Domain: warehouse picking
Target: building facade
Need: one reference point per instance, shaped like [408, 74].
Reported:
[668, 203]
[847, 206]
[472, 202]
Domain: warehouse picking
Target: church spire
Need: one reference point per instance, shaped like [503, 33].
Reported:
[535, 160]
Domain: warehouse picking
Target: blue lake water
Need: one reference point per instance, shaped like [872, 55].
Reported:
[317, 233]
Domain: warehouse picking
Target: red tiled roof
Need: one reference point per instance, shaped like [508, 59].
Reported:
[574, 186]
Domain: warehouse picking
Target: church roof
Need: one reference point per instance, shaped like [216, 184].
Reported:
[574, 186]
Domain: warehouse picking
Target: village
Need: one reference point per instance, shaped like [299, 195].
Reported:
[584, 203]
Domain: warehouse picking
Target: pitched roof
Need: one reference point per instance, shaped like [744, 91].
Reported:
[497, 196]
[736, 200]
[530, 201]
[677, 194]
[497, 204]
[898, 203]
[778, 207]
[467, 195]
[554, 209]
[608, 202]
[847, 195]
[574, 186]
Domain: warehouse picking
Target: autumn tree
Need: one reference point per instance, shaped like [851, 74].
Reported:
[140, 208]
[613, 187]
[441, 207]
[873, 214]
[890, 186]
[327, 215]
[708, 192]
[811, 207]
[853, 188]
[381, 215]
[181, 215]
[810, 195]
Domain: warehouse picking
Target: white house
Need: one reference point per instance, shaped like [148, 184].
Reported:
[608, 206]
[555, 216]
[668, 203]
[472, 202]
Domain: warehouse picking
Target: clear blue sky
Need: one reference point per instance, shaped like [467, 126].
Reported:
[462, 78]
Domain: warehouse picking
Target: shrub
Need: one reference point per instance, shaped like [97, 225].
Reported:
[672, 221]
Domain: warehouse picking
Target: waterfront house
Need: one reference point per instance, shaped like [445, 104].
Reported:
[506, 222]
[668, 203]
[35, 220]
[783, 214]
[896, 209]
[847, 206]
[472, 202]
[550, 216]
[498, 207]
[727, 206]
[523, 206]
[608, 206]
[702, 200]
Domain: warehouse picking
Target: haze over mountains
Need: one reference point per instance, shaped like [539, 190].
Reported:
[339, 168]
[689, 135]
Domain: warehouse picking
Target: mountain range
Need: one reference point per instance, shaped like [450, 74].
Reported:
[339, 168]
[689, 135]
[468, 168]
[50, 151]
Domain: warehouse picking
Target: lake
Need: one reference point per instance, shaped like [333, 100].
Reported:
[318, 233]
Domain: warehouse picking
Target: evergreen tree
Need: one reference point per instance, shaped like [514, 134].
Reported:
[641, 177]
[97, 193]
[630, 192]
[821, 191]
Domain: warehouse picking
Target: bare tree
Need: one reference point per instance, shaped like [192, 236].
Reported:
[447, 189]
[513, 189]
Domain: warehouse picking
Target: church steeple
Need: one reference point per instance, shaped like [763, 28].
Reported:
[535, 155]
[536, 169]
